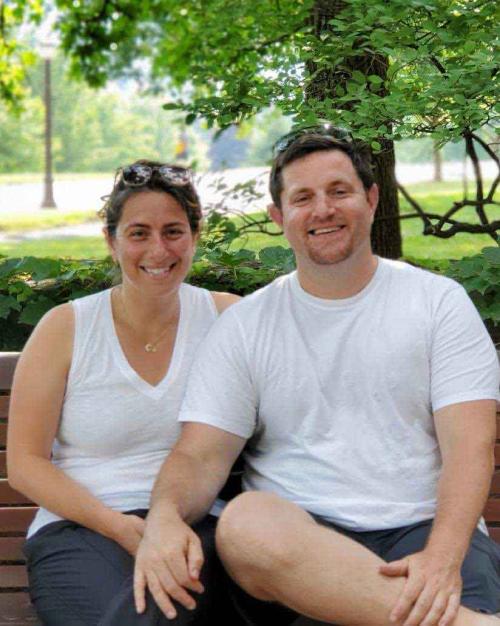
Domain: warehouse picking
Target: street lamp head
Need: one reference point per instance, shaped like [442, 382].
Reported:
[47, 47]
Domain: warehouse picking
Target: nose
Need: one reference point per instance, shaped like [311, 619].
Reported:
[324, 205]
[158, 245]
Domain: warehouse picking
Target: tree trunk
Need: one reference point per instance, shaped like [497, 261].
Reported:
[437, 158]
[386, 231]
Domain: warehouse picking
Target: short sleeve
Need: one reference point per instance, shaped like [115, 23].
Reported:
[220, 391]
[464, 363]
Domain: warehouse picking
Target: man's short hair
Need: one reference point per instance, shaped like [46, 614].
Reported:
[318, 140]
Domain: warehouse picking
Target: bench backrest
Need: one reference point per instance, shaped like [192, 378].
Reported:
[16, 512]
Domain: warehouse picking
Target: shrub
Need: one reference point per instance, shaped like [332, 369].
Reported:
[480, 275]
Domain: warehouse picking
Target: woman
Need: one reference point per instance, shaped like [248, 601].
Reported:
[98, 388]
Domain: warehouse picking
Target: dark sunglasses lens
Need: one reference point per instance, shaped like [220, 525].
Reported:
[175, 175]
[136, 174]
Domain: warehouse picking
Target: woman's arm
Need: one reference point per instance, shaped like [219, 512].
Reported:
[36, 403]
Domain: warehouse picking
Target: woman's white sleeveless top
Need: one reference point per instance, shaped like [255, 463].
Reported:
[116, 429]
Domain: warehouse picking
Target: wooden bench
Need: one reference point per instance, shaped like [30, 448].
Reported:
[16, 513]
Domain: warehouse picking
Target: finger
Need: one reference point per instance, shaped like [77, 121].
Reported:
[421, 607]
[406, 600]
[160, 597]
[451, 610]
[396, 568]
[195, 559]
[176, 592]
[437, 609]
[139, 590]
[178, 566]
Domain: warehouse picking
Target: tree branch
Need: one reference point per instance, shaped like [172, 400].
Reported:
[428, 226]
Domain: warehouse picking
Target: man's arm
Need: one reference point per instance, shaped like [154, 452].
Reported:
[170, 557]
[466, 434]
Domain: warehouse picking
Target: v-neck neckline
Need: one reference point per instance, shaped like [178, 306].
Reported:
[142, 385]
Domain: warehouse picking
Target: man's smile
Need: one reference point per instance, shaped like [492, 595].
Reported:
[324, 231]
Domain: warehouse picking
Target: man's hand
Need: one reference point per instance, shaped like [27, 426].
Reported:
[431, 595]
[128, 532]
[168, 562]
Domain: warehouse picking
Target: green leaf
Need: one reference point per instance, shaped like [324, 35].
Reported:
[35, 310]
[7, 304]
[492, 255]
[277, 257]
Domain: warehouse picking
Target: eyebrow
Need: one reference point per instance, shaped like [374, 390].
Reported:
[332, 183]
[140, 225]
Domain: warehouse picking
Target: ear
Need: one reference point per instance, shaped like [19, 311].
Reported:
[110, 241]
[372, 196]
[275, 214]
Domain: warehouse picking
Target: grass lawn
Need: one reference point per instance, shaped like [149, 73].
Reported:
[71, 247]
[435, 197]
[42, 220]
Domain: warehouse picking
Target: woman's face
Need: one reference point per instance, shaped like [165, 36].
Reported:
[153, 243]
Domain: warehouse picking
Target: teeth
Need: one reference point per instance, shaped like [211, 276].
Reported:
[322, 231]
[156, 271]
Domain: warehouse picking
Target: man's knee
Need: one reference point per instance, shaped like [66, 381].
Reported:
[255, 538]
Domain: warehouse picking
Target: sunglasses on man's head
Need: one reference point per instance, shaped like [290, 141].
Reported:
[137, 175]
[326, 129]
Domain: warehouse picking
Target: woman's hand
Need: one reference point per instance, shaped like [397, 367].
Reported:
[128, 531]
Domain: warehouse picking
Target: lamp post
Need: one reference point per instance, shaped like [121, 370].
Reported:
[47, 52]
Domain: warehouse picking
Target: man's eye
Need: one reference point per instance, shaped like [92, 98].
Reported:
[300, 199]
[174, 232]
[138, 234]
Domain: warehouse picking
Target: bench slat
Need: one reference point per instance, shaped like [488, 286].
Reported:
[495, 533]
[16, 610]
[495, 484]
[492, 510]
[11, 496]
[16, 520]
[13, 576]
[3, 435]
[11, 549]
[3, 464]
[7, 367]
[4, 406]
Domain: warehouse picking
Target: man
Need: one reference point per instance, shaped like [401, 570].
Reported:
[365, 389]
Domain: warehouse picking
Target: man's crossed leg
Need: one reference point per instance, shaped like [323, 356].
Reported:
[278, 553]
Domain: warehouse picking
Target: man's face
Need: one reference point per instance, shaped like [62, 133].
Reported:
[326, 212]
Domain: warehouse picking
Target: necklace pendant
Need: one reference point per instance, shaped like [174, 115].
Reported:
[149, 347]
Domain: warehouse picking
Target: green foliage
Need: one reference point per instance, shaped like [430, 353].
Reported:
[15, 58]
[30, 286]
[241, 57]
[480, 275]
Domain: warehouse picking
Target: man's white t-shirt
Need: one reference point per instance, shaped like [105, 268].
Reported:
[337, 397]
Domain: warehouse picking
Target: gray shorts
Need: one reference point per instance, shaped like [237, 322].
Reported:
[480, 570]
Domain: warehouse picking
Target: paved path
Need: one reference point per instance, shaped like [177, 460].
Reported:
[213, 188]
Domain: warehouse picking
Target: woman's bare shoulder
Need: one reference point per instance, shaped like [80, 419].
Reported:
[223, 300]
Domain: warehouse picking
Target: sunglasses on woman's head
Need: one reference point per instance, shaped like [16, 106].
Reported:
[326, 130]
[137, 175]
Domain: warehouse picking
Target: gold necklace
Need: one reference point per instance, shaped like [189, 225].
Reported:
[151, 346]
